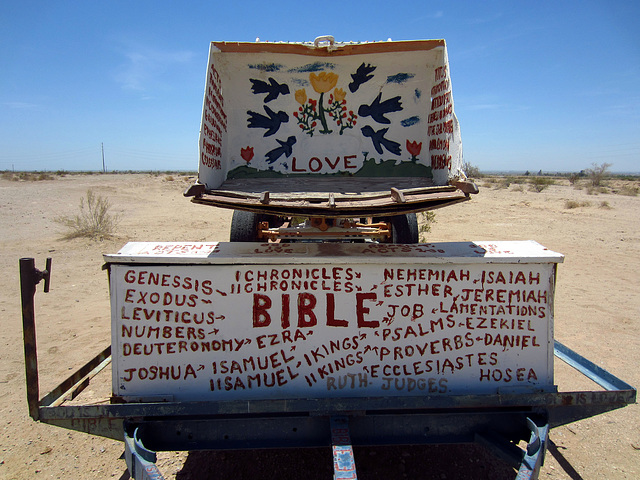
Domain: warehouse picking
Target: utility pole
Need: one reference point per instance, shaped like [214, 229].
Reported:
[104, 168]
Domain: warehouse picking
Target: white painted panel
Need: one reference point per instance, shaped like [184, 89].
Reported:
[278, 113]
[340, 327]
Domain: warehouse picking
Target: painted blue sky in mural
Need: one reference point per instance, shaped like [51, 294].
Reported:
[552, 86]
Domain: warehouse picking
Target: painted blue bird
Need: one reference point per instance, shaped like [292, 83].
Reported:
[377, 109]
[271, 123]
[361, 76]
[285, 148]
[273, 88]
[377, 137]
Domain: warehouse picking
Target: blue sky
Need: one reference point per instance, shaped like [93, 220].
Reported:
[545, 85]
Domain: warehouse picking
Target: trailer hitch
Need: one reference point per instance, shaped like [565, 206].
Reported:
[31, 276]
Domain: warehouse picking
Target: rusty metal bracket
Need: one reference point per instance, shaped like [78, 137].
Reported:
[30, 276]
[195, 190]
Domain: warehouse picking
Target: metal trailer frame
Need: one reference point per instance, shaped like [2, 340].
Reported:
[497, 421]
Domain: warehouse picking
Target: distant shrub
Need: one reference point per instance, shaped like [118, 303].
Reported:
[570, 204]
[502, 184]
[93, 221]
[597, 173]
[629, 190]
[489, 182]
[591, 190]
[604, 204]
[27, 176]
[471, 171]
[538, 184]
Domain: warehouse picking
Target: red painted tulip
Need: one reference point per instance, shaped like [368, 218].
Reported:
[246, 154]
[414, 148]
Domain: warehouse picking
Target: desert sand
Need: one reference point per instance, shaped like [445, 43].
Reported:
[597, 309]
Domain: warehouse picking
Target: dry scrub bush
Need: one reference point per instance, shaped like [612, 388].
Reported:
[538, 184]
[597, 173]
[93, 221]
[629, 191]
[570, 204]
[591, 190]
[425, 219]
[488, 182]
[502, 185]
[471, 171]
[27, 176]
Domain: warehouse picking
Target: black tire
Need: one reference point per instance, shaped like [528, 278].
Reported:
[404, 228]
[244, 226]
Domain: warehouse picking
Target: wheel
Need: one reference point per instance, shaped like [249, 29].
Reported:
[244, 226]
[404, 228]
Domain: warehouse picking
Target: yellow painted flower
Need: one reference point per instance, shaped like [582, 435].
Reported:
[301, 96]
[339, 94]
[323, 82]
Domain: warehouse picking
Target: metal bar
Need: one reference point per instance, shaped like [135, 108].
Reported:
[344, 463]
[599, 375]
[102, 360]
[333, 406]
[90, 369]
[28, 281]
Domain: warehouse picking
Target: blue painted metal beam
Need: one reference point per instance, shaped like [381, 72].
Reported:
[141, 462]
[533, 458]
[589, 369]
